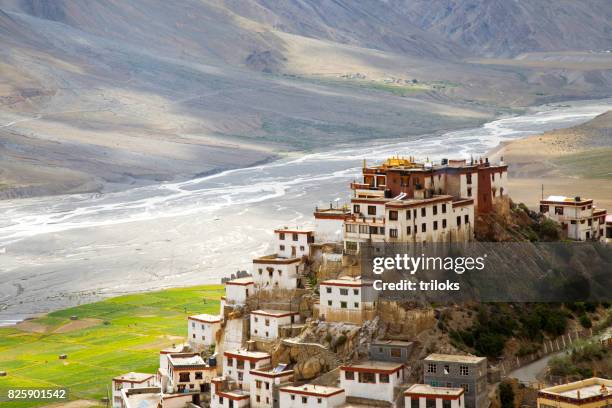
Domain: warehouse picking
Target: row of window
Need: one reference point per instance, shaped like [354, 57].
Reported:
[431, 403]
[365, 229]
[343, 305]
[186, 377]
[432, 368]
[281, 236]
[369, 378]
[394, 215]
[343, 291]
[305, 399]
[393, 232]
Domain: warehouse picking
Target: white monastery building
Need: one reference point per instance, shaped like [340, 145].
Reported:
[293, 242]
[238, 290]
[202, 330]
[347, 299]
[265, 384]
[425, 395]
[224, 396]
[237, 365]
[579, 218]
[276, 272]
[130, 381]
[265, 324]
[187, 372]
[311, 396]
[374, 380]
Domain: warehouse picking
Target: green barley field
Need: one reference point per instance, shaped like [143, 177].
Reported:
[109, 338]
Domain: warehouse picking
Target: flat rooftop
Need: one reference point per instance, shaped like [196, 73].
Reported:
[567, 200]
[241, 281]
[426, 389]
[133, 377]
[347, 281]
[454, 358]
[259, 355]
[397, 343]
[312, 389]
[179, 360]
[579, 390]
[275, 257]
[206, 318]
[373, 366]
[273, 313]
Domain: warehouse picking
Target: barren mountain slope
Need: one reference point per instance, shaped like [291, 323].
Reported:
[98, 92]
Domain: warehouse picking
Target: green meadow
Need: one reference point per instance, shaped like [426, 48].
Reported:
[124, 334]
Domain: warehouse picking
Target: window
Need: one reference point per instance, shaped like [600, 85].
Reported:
[414, 213]
[356, 304]
[464, 370]
[396, 352]
[371, 210]
[408, 214]
[435, 210]
[344, 292]
[458, 220]
[328, 289]
[329, 303]
[446, 404]
[466, 387]
[193, 336]
[369, 378]
[258, 398]
[414, 402]
[435, 225]
[431, 368]
[301, 247]
[430, 403]
[356, 209]
[423, 212]
[343, 305]
[364, 229]
[466, 218]
[446, 370]
[349, 375]
[468, 178]
[193, 325]
[423, 227]
[281, 236]
[304, 400]
[393, 232]
[408, 230]
[444, 223]
[258, 383]
[384, 378]
[443, 208]
[295, 236]
[558, 210]
[393, 215]
[267, 385]
[267, 322]
[355, 291]
[292, 397]
[469, 191]
[350, 227]
[319, 400]
[183, 377]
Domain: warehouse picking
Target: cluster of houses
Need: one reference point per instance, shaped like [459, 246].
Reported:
[226, 362]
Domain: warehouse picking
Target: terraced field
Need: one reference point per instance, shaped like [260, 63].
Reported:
[109, 338]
